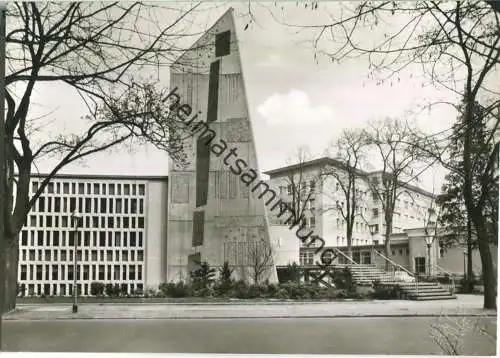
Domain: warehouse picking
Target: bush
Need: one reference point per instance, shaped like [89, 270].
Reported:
[203, 292]
[385, 292]
[342, 279]
[291, 273]
[202, 277]
[239, 290]
[176, 290]
[224, 283]
[97, 288]
[297, 292]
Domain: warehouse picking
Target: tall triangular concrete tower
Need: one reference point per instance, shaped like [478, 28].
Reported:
[216, 208]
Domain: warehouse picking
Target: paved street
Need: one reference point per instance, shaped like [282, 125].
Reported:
[301, 336]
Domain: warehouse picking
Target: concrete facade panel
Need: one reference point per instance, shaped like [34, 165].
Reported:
[210, 79]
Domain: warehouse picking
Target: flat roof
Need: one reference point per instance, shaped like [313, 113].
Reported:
[104, 176]
[338, 163]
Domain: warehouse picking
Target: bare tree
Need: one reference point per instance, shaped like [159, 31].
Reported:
[389, 138]
[455, 45]
[260, 257]
[94, 49]
[300, 184]
[347, 177]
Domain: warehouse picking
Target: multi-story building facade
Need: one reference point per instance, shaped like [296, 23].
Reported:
[320, 187]
[121, 235]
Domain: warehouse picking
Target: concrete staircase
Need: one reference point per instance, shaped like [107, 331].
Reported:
[411, 288]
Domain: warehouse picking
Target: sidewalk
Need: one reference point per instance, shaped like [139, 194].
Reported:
[464, 305]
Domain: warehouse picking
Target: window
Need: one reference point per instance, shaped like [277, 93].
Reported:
[118, 206]
[141, 223]
[102, 239]
[81, 188]
[24, 238]
[111, 189]
[50, 188]
[312, 186]
[441, 250]
[55, 273]
[375, 212]
[312, 204]
[24, 271]
[103, 205]
[96, 191]
[65, 188]
[306, 258]
[142, 189]
[34, 187]
[88, 205]
[41, 204]
[126, 189]
[72, 204]
[420, 265]
[312, 221]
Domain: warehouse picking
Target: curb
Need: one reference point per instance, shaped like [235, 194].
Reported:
[247, 317]
[225, 303]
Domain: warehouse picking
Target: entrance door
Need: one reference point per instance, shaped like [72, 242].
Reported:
[356, 257]
[420, 265]
[366, 257]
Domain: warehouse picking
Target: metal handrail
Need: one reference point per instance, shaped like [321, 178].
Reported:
[345, 256]
[450, 275]
[395, 264]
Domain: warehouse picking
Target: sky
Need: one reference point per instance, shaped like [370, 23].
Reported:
[293, 99]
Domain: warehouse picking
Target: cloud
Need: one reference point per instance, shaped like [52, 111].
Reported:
[293, 108]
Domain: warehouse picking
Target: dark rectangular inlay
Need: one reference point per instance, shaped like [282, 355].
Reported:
[223, 43]
[198, 228]
[202, 168]
[213, 91]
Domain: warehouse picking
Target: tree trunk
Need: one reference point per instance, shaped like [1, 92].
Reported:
[388, 243]
[489, 279]
[470, 274]
[11, 262]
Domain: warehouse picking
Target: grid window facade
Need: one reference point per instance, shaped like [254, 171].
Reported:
[110, 238]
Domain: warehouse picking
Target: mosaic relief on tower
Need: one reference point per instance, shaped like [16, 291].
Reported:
[211, 203]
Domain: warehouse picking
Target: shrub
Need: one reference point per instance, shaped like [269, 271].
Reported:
[225, 282]
[291, 273]
[239, 289]
[176, 290]
[342, 279]
[203, 292]
[97, 288]
[203, 276]
[21, 289]
[296, 291]
[385, 292]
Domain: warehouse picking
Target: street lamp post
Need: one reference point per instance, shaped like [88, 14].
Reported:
[75, 219]
[465, 266]
[372, 228]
